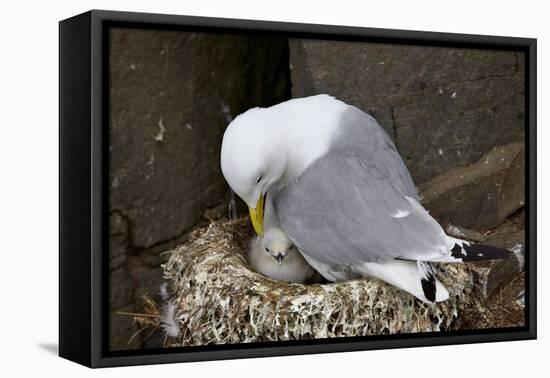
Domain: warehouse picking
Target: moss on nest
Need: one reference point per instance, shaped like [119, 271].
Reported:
[218, 298]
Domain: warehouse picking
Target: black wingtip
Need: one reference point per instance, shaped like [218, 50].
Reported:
[456, 251]
[427, 280]
[477, 252]
[428, 287]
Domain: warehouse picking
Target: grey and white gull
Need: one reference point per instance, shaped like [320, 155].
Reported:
[342, 194]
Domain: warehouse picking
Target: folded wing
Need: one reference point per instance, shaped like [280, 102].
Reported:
[346, 209]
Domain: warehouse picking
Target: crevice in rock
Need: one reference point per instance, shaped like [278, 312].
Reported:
[132, 248]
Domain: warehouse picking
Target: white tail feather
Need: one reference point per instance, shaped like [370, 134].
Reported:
[405, 275]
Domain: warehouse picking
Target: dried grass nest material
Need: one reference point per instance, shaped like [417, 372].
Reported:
[217, 298]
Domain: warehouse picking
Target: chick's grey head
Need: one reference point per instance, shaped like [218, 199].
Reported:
[277, 245]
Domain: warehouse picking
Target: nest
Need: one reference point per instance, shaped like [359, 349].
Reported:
[216, 298]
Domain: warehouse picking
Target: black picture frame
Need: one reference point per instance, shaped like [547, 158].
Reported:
[83, 196]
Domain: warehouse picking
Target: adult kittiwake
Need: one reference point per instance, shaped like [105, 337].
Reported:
[342, 193]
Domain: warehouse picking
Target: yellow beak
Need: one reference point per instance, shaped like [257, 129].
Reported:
[257, 216]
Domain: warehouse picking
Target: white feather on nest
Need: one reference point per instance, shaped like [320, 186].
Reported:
[168, 321]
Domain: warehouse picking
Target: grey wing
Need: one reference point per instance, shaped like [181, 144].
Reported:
[345, 210]
[358, 130]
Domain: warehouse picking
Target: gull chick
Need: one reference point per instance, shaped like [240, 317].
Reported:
[275, 256]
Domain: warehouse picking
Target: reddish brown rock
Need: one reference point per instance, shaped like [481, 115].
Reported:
[497, 274]
[479, 196]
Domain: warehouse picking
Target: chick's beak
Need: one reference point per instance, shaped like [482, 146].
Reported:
[257, 215]
[279, 258]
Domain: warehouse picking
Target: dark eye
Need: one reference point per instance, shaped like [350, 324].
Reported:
[267, 249]
[259, 179]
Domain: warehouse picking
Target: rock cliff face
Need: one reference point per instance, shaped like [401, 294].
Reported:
[456, 116]
[171, 95]
[444, 107]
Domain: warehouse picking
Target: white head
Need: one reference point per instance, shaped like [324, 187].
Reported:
[265, 148]
[253, 159]
[276, 244]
